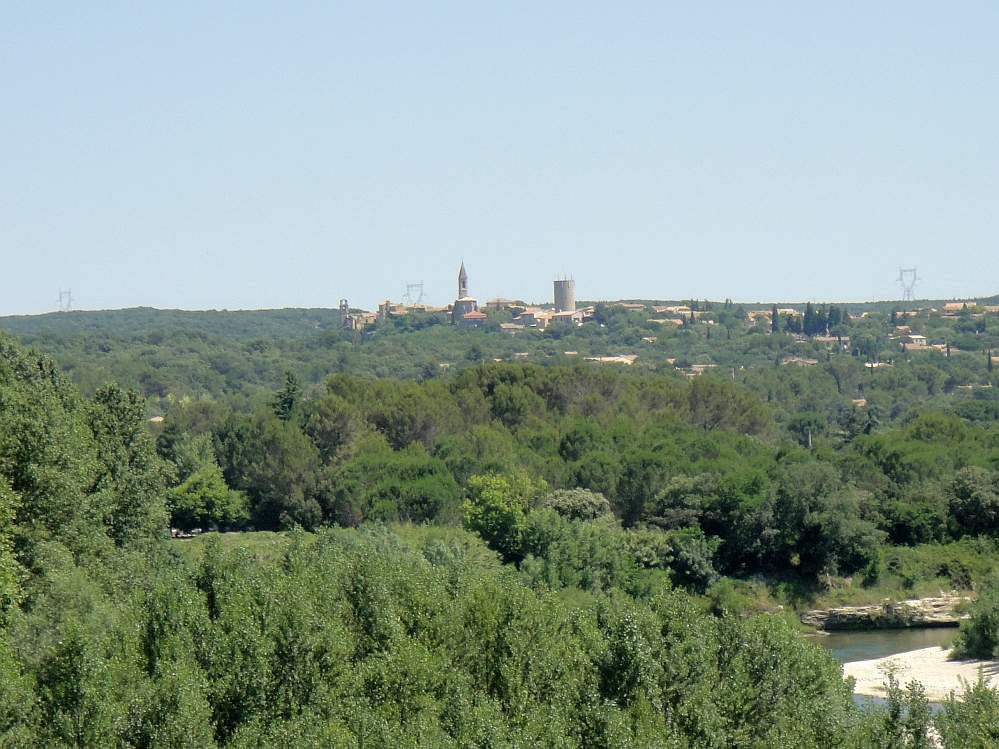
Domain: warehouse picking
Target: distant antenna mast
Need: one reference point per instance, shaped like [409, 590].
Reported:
[408, 297]
[65, 300]
[907, 280]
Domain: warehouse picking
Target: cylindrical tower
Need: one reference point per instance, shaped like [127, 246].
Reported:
[565, 295]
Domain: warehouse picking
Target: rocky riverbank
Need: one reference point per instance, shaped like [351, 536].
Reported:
[942, 611]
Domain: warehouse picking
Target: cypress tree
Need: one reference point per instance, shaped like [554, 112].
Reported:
[809, 321]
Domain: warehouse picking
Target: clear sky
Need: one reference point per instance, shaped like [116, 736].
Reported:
[245, 154]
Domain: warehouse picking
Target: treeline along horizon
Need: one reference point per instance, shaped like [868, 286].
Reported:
[175, 355]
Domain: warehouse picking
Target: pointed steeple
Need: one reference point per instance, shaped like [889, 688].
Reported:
[462, 281]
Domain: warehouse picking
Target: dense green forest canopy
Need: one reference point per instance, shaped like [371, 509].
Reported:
[535, 552]
[791, 457]
[697, 477]
[169, 355]
[143, 321]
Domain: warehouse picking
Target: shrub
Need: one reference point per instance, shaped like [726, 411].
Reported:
[578, 504]
[979, 636]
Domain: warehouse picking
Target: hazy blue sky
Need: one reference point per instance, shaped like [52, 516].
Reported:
[241, 155]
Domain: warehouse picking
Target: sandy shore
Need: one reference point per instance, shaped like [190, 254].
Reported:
[929, 666]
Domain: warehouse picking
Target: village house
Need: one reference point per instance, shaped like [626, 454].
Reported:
[953, 309]
[696, 370]
[630, 306]
[499, 304]
[627, 359]
[832, 340]
[566, 319]
[472, 319]
[533, 317]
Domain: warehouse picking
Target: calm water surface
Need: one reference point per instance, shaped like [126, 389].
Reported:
[864, 646]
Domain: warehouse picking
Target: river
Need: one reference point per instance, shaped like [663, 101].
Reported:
[864, 646]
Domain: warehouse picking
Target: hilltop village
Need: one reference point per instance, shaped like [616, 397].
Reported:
[465, 311]
[944, 328]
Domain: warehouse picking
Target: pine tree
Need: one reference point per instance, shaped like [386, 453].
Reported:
[774, 320]
[287, 397]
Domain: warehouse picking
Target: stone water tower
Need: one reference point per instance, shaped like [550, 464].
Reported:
[565, 295]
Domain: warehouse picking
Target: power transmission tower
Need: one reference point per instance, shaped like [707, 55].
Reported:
[408, 297]
[65, 300]
[907, 280]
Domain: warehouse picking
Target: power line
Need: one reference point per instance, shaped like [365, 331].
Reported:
[408, 297]
[65, 300]
[907, 280]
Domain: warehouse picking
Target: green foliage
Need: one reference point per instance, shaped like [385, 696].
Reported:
[608, 494]
[716, 404]
[979, 636]
[970, 720]
[192, 453]
[690, 558]
[129, 478]
[10, 572]
[589, 555]
[288, 397]
[82, 472]
[663, 452]
[578, 504]
[276, 465]
[974, 501]
[204, 501]
[906, 720]
[378, 483]
[497, 508]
